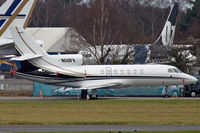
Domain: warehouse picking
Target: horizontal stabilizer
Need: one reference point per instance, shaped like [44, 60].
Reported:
[26, 57]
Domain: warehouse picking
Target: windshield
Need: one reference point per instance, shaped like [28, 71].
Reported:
[174, 70]
[179, 70]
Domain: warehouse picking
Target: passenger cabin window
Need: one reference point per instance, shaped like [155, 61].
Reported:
[129, 72]
[115, 72]
[122, 71]
[170, 70]
[135, 71]
[102, 72]
[141, 71]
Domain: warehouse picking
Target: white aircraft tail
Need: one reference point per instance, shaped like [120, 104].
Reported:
[26, 45]
[15, 12]
[33, 52]
[30, 49]
[166, 37]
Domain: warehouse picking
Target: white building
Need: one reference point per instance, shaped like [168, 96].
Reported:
[57, 39]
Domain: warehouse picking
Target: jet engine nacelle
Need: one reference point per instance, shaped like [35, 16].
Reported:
[40, 42]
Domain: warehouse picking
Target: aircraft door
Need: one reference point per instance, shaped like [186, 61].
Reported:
[108, 71]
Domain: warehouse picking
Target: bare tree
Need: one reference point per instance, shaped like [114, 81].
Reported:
[36, 16]
[2, 1]
[102, 33]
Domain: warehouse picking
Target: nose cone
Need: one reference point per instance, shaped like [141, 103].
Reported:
[191, 79]
[195, 79]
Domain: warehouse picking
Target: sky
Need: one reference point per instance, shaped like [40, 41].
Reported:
[184, 5]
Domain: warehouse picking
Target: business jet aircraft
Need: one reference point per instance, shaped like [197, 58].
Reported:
[13, 12]
[66, 70]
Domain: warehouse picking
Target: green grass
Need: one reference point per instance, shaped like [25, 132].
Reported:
[173, 112]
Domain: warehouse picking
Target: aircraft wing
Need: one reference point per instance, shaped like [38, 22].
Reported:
[102, 86]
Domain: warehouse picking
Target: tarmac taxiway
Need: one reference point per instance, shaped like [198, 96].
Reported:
[77, 98]
[76, 128]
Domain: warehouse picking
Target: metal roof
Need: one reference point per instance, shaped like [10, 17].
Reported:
[48, 35]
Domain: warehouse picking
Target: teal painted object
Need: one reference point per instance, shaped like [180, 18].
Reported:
[48, 90]
[174, 91]
[44, 89]
[64, 91]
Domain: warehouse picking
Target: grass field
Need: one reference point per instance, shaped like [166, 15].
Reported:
[179, 112]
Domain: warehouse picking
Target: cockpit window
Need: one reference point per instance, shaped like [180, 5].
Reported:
[170, 70]
[176, 71]
[179, 70]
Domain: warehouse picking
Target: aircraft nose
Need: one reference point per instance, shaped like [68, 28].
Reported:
[193, 79]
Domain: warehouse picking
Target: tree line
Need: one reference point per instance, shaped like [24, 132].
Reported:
[129, 21]
[103, 22]
[116, 21]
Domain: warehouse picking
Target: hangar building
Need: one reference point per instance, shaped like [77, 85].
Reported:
[66, 39]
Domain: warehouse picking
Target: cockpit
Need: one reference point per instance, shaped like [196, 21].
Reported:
[174, 70]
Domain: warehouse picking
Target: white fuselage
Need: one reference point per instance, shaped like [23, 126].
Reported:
[134, 75]
[117, 76]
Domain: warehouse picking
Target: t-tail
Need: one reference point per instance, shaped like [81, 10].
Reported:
[15, 12]
[33, 52]
[166, 37]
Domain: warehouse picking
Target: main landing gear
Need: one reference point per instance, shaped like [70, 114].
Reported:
[86, 96]
[165, 91]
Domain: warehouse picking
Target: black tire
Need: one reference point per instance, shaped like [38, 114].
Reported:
[165, 96]
[93, 98]
[193, 94]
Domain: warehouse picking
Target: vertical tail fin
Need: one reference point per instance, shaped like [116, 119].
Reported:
[166, 37]
[26, 45]
[15, 12]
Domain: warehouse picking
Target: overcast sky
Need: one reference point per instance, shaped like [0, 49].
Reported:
[184, 4]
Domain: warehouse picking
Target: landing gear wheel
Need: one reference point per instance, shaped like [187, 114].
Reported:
[165, 96]
[94, 96]
[193, 94]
